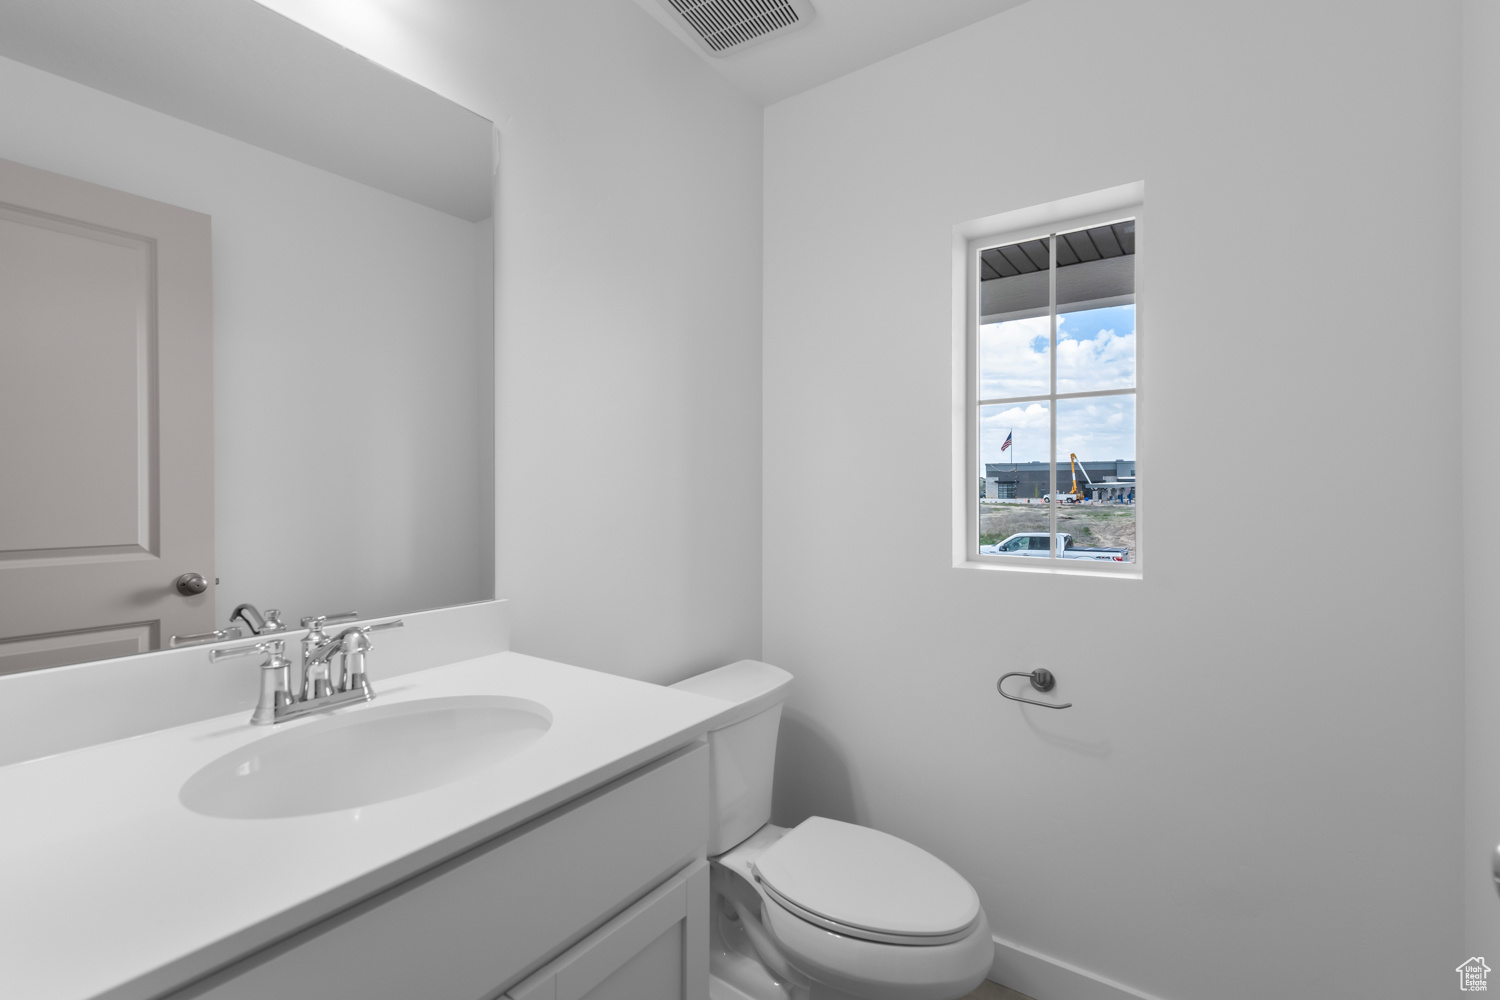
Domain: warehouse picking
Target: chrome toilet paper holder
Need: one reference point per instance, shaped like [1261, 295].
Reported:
[1041, 678]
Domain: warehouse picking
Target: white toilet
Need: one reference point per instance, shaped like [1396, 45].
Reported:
[825, 910]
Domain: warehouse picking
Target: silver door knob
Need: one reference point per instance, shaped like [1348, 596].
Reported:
[191, 584]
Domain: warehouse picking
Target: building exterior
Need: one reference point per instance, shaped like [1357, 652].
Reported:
[1113, 480]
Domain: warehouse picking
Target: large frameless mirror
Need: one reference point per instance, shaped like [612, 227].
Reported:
[246, 329]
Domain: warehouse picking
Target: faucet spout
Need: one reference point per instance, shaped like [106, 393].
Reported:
[251, 616]
[322, 653]
[257, 623]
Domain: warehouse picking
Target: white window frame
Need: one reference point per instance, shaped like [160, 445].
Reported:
[1039, 222]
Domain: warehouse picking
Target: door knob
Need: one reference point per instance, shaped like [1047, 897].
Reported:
[191, 584]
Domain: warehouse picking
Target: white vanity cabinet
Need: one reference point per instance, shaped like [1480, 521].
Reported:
[603, 897]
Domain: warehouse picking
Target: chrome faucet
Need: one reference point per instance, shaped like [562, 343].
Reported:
[314, 638]
[277, 703]
[257, 623]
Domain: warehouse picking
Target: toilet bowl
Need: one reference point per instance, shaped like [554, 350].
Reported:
[825, 910]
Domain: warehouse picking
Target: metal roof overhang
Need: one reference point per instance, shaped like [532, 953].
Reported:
[1095, 268]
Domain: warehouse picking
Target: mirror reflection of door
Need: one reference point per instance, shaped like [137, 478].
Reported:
[106, 421]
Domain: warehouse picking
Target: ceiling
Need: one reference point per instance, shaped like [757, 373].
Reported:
[844, 36]
[245, 71]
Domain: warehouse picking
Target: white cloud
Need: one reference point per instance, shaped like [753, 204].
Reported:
[1013, 359]
[1097, 430]
[1105, 361]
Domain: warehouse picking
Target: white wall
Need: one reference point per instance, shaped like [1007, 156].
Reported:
[629, 321]
[629, 371]
[1481, 482]
[1258, 790]
[350, 362]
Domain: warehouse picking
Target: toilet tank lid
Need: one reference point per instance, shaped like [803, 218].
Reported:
[749, 686]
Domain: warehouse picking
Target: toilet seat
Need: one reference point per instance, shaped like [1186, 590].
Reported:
[866, 884]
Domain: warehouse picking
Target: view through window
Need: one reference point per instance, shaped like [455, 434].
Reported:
[1056, 392]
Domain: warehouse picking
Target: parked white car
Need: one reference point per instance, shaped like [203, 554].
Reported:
[1038, 544]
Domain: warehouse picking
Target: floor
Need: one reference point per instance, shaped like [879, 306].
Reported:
[994, 991]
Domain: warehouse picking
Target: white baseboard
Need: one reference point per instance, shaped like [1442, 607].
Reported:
[1043, 977]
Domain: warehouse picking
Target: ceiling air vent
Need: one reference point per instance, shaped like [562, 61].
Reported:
[724, 26]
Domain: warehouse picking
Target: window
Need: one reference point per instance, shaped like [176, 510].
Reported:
[1052, 392]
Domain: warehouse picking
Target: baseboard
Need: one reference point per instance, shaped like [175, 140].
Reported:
[1043, 977]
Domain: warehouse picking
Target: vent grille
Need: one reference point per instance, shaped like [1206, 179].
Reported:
[728, 24]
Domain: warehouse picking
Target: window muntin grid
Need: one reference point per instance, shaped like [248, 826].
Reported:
[1060, 328]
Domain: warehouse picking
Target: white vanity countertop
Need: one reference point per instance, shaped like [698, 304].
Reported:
[110, 887]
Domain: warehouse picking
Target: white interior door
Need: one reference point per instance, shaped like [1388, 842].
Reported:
[106, 420]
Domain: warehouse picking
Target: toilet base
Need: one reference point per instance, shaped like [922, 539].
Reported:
[734, 973]
[719, 989]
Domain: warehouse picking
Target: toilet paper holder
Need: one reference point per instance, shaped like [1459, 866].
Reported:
[1041, 678]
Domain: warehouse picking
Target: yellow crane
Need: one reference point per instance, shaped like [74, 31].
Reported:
[1075, 467]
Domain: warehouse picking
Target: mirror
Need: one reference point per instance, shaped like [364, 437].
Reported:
[333, 448]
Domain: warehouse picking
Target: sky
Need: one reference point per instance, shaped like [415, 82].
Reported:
[1095, 350]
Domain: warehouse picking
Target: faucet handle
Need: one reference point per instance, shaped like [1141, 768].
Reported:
[316, 622]
[273, 621]
[227, 652]
[219, 635]
[354, 643]
[274, 683]
[357, 638]
[360, 633]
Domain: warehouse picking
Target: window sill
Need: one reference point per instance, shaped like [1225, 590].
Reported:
[1052, 567]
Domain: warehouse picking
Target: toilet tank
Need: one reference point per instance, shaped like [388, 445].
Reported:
[742, 746]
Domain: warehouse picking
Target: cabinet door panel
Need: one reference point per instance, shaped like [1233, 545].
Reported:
[656, 950]
[471, 927]
[653, 973]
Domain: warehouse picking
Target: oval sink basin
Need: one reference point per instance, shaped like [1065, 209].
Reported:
[366, 756]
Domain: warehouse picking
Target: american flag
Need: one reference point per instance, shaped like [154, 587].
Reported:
[1007, 442]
